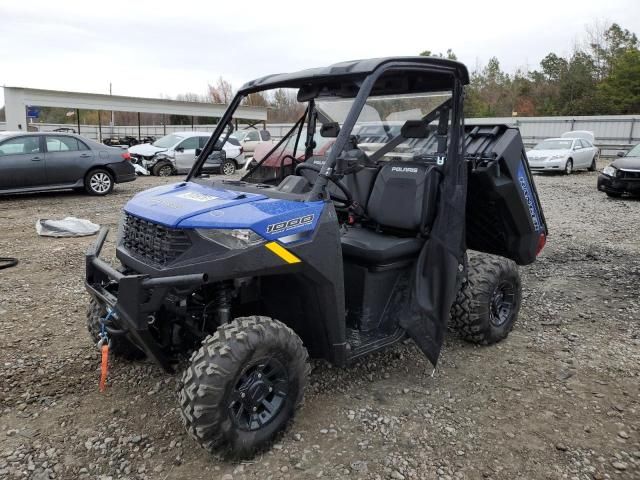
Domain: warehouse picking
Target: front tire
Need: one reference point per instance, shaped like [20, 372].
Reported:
[568, 167]
[98, 182]
[162, 169]
[487, 305]
[243, 385]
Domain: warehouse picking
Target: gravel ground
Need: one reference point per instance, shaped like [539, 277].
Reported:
[558, 399]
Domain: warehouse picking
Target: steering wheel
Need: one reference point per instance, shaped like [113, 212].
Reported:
[342, 203]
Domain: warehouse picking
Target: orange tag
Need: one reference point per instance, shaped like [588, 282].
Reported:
[104, 367]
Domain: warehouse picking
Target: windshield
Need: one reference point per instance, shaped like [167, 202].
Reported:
[239, 135]
[380, 122]
[554, 145]
[382, 118]
[634, 152]
[167, 141]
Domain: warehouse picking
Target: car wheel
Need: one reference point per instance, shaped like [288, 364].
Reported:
[568, 167]
[163, 169]
[228, 167]
[614, 194]
[98, 182]
[594, 163]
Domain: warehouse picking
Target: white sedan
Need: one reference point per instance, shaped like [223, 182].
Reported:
[563, 155]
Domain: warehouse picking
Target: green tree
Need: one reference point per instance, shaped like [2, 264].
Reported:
[554, 67]
[578, 86]
[607, 46]
[620, 91]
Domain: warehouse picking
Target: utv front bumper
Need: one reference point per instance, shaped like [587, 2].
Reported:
[133, 299]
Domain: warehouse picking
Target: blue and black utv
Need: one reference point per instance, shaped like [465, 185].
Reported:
[349, 235]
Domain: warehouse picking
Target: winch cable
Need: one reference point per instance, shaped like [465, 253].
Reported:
[8, 262]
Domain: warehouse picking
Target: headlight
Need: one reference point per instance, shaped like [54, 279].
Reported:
[556, 157]
[610, 171]
[233, 239]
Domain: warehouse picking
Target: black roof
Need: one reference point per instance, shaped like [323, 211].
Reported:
[351, 68]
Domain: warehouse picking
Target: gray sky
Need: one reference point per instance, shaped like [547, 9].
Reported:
[165, 48]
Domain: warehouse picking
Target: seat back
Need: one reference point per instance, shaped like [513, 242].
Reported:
[359, 183]
[317, 161]
[404, 196]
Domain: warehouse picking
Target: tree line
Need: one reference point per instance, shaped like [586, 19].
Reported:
[600, 77]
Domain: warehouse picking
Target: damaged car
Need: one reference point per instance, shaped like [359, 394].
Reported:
[622, 175]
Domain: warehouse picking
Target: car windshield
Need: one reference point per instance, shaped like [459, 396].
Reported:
[167, 141]
[554, 145]
[634, 152]
[239, 135]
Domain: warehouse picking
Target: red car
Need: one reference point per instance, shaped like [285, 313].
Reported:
[280, 162]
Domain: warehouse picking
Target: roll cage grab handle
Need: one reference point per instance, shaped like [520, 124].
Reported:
[318, 192]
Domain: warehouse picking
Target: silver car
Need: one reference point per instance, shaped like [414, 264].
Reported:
[563, 154]
[176, 153]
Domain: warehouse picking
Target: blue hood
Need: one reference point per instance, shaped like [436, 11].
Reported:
[191, 205]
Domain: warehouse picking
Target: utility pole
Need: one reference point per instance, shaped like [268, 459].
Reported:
[112, 116]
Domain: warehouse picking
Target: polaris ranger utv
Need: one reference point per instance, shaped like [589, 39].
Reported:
[339, 255]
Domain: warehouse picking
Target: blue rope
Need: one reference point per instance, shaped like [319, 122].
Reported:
[103, 330]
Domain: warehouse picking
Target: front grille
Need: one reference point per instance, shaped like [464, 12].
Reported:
[153, 243]
[628, 175]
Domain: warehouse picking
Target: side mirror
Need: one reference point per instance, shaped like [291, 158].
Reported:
[414, 129]
[330, 130]
[620, 154]
[198, 152]
[179, 149]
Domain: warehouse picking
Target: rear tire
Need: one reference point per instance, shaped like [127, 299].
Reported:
[487, 304]
[98, 182]
[568, 167]
[594, 163]
[225, 399]
[120, 346]
[162, 169]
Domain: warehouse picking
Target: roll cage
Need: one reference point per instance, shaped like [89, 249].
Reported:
[359, 80]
